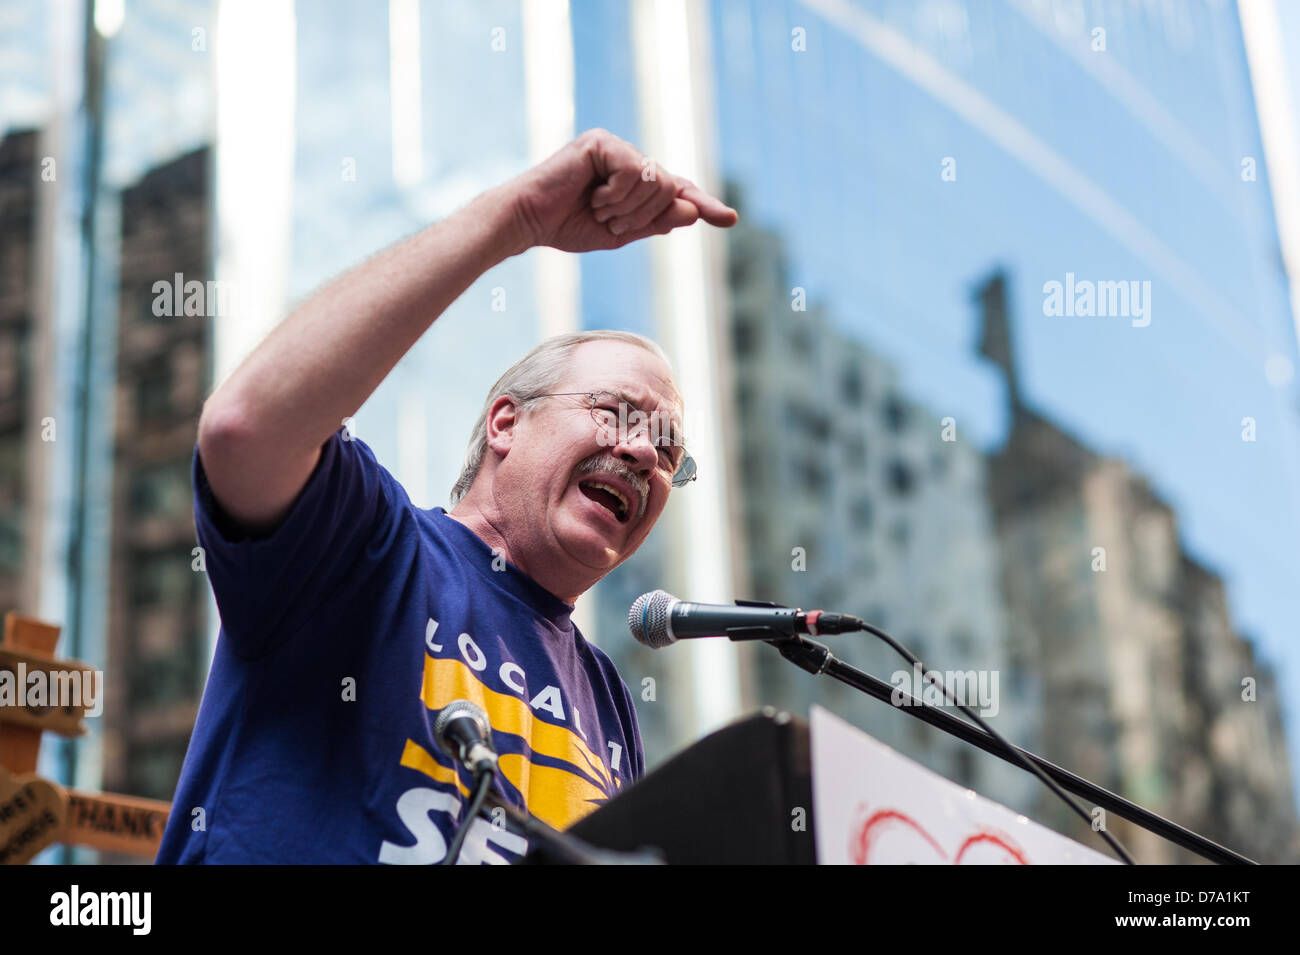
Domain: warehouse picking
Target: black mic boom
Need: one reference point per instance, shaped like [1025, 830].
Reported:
[658, 619]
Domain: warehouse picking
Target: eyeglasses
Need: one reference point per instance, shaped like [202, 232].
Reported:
[613, 417]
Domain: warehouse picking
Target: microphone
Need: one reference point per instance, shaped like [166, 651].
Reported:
[658, 619]
[462, 731]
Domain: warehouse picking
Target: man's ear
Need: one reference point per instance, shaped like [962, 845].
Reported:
[502, 417]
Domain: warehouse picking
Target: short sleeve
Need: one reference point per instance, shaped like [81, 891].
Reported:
[269, 587]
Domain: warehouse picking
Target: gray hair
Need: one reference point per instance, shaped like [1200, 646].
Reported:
[537, 373]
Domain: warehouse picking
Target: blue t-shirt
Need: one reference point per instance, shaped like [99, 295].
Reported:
[344, 633]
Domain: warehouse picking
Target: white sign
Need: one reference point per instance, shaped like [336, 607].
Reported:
[872, 806]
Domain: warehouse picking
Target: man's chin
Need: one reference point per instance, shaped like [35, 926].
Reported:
[593, 554]
[589, 546]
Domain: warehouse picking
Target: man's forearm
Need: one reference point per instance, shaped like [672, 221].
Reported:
[261, 431]
[321, 363]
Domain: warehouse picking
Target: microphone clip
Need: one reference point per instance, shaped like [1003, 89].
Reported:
[738, 634]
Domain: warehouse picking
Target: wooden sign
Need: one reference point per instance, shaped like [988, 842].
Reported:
[32, 813]
[21, 745]
[105, 821]
[47, 694]
[114, 823]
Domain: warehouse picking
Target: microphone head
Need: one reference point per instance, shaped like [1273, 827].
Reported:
[648, 619]
[455, 710]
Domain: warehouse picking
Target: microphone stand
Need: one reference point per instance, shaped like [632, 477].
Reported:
[561, 846]
[817, 658]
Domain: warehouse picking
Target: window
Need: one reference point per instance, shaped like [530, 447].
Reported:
[851, 385]
[752, 465]
[855, 451]
[895, 413]
[11, 542]
[161, 489]
[161, 577]
[739, 269]
[744, 397]
[901, 479]
[153, 768]
[12, 462]
[801, 340]
[11, 364]
[861, 513]
[813, 421]
[160, 681]
[812, 476]
[745, 339]
[153, 394]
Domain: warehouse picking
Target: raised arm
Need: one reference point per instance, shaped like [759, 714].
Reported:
[261, 431]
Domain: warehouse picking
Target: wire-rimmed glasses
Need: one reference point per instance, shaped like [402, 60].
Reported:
[615, 417]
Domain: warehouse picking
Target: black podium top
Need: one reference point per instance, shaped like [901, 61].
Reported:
[732, 797]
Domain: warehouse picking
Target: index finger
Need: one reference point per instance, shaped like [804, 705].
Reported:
[713, 211]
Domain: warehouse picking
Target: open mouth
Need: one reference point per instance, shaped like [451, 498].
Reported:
[608, 497]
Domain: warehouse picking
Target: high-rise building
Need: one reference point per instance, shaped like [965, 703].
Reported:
[19, 174]
[1147, 689]
[157, 646]
[1240, 783]
[859, 500]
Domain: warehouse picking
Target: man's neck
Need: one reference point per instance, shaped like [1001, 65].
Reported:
[486, 530]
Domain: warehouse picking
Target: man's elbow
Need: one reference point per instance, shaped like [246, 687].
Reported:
[220, 427]
[253, 476]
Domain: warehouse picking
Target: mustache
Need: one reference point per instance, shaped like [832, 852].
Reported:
[599, 464]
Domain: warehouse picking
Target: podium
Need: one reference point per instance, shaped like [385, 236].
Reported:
[732, 797]
[756, 792]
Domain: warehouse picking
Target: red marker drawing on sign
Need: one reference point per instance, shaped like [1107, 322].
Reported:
[866, 836]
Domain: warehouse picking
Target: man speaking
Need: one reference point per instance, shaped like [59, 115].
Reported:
[350, 617]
